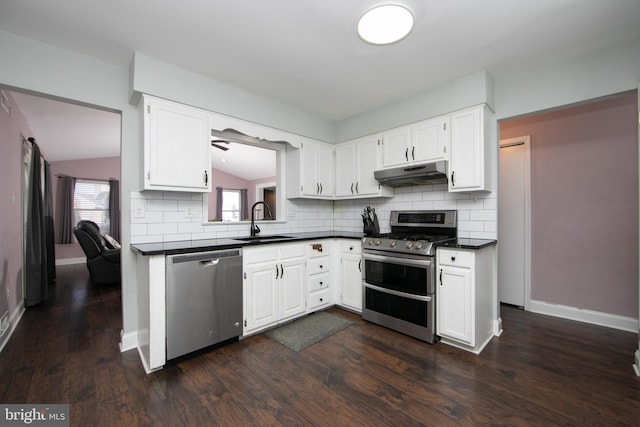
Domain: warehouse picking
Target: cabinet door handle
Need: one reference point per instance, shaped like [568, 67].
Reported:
[317, 188]
[413, 153]
[206, 178]
[352, 188]
[360, 266]
[320, 188]
[281, 271]
[406, 153]
[453, 178]
[276, 271]
[357, 191]
[440, 277]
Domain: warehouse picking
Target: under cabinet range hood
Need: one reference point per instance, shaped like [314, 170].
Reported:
[425, 173]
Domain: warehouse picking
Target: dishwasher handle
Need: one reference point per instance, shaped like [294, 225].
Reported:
[209, 258]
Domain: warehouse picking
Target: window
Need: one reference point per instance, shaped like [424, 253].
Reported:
[91, 202]
[230, 205]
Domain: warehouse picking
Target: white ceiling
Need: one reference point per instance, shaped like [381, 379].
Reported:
[306, 53]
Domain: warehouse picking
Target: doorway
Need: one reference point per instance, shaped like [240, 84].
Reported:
[514, 227]
[77, 140]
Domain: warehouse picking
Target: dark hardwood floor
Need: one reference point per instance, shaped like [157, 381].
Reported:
[541, 371]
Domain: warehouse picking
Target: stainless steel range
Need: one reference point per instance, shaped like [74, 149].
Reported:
[399, 271]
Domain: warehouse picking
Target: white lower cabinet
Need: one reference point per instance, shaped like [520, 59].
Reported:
[318, 275]
[464, 297]
[351, 275]
[274, 285]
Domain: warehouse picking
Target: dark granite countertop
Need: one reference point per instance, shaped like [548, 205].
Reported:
[468, 243]
[189, 246]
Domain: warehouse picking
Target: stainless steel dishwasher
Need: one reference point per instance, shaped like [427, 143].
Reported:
[204, 300]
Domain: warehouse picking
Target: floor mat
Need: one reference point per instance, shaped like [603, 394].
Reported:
[308, 330]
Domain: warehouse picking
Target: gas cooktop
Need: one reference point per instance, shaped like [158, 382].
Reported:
[415, 232]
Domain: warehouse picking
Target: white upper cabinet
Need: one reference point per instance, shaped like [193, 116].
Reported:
[176, 146]
[355, 163]
[430, 140]
[396, 147]
[310, 171]
[425, 141]
[468, 169]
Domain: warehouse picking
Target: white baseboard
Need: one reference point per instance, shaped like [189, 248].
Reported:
[70, 261]
[13, 322]
[128, 341]
[588, 316]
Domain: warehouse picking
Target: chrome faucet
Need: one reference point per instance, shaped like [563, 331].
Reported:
[254, 227]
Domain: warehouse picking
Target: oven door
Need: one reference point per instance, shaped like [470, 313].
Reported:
[402, 273]
[395, 294]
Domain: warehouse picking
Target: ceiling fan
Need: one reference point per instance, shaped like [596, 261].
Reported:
[216, 143]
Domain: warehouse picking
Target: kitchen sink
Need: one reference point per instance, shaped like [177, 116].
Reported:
[262, 238]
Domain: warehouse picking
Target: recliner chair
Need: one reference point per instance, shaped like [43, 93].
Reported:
[103, 263]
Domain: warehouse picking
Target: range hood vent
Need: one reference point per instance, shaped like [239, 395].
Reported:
[426, 173]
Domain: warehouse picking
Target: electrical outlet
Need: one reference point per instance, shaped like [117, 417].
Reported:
[137, 208]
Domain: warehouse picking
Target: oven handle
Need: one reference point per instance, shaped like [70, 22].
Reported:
[398, 260]
[398, 293]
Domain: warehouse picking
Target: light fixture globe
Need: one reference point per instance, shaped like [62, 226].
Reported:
[385, 24]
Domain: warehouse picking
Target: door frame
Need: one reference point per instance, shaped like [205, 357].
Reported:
[526, 141]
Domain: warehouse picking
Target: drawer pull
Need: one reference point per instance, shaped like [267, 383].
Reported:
[453, 258]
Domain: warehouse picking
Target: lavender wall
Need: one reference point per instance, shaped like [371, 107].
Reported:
[11, 126]
[99, 168]
[226, 180]
[584, 205]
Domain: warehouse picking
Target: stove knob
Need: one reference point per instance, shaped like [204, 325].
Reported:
[409, 245]
[378, 242]
[392, 243]
[418, 246]
[370, 242]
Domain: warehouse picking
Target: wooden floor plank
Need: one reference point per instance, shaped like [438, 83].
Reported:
[541, 371]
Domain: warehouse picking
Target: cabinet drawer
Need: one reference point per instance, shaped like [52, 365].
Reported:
[319, 299]
[318, 282]
[354, 246]
[319, 265]
[317, 249]
[455, 258]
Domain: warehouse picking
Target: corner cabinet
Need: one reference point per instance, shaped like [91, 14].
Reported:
[356, 162]
[310, 171]
[176, 146]
[274, 285]
[464, 303]
[468, 162]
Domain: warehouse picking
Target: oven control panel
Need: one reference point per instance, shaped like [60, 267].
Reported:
[418, 247]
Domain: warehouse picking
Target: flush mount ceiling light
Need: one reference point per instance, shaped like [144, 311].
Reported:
[385, 24]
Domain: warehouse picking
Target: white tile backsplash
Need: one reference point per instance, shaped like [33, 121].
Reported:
[172, 216]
